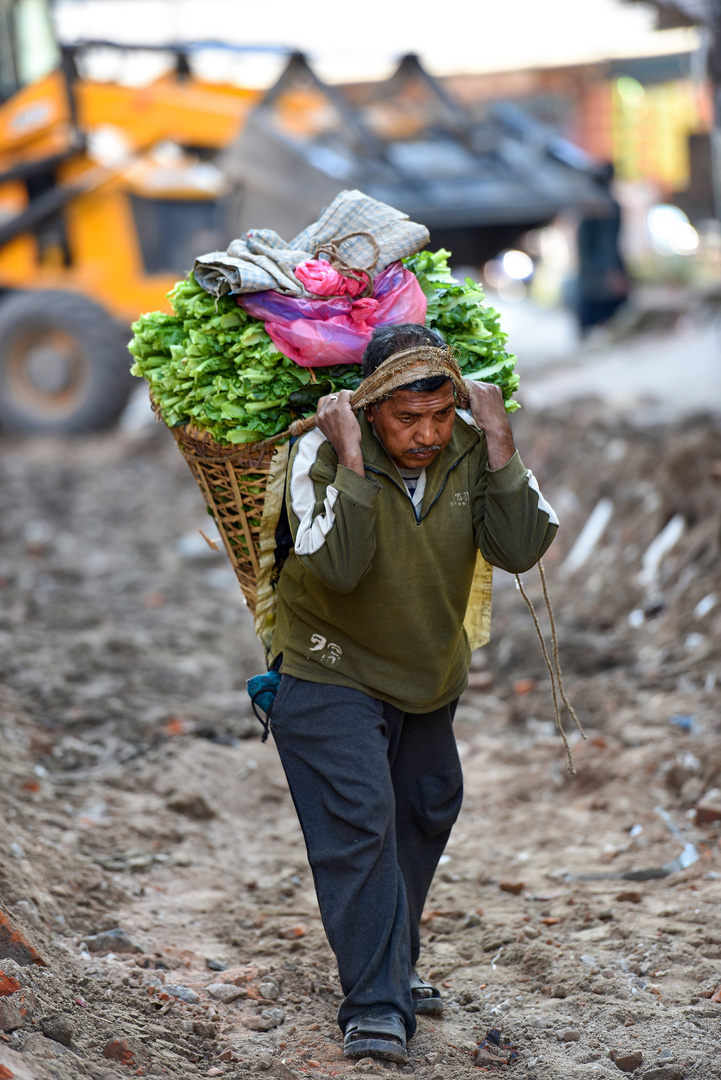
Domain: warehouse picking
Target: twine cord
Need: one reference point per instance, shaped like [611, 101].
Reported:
[420, 362]
[361, 274]
[556, 657]
[554, 670]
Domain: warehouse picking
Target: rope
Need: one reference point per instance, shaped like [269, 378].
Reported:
[554, 670]
[398, 370]
[420, 362]
[362, 274]
[556, 658]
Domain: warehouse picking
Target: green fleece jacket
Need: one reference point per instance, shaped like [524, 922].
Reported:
[374, 593]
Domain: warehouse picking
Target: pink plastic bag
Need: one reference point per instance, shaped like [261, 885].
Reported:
[321, 279]
[327, 331]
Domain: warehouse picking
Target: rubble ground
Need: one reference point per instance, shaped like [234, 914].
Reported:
[150, 856]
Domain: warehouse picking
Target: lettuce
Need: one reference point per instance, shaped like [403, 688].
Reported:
[456, 310]
[214, 366]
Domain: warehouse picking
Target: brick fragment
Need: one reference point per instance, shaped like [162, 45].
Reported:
[14, 945]
[514, 887]
[291, 933]
[119, 1050]
[484, 1057]
[707, 814]
[626, 1062]
[27, 1001]
[524, 686]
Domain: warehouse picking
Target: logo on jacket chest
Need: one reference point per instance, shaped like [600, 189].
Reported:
[460, 498]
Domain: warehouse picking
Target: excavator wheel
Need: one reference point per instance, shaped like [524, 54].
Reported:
[64, 364]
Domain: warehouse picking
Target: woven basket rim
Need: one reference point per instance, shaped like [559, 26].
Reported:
[201, 445]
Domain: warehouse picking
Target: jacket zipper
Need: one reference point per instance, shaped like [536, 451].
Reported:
[419, 520]
[403, 490]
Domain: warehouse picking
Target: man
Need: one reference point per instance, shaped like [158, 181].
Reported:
[388, 511]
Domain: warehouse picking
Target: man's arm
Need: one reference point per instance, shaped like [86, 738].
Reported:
[489, 412]
[514, 524]
[331, 505]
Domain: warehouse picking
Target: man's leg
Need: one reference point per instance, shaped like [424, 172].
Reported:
[333, 745]
[428, 783]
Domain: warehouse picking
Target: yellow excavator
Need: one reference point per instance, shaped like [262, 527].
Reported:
[107, 192]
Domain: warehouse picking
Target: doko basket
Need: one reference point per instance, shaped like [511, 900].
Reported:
[233, 480]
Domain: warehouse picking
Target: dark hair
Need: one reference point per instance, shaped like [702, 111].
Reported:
[395, 337]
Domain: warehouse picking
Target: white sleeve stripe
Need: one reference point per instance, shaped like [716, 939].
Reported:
[311, 533]
[542, 504]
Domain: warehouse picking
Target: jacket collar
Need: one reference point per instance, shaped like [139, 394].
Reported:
[464, 438]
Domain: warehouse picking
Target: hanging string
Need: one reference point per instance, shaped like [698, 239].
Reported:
[556, 658]
[554, 670]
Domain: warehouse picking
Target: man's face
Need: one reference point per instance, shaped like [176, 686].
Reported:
[415, 427]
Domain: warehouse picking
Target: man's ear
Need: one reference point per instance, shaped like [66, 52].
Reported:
[369, 411]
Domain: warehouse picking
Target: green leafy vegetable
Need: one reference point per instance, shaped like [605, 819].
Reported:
[213, 365]
[456, 311]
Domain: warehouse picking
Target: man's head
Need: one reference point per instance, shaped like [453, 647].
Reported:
[416, 421]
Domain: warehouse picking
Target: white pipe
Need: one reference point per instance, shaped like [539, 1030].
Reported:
[589, 536]
[658, 549]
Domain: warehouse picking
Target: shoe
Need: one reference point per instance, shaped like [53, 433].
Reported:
[427, 999]
[378, 1032]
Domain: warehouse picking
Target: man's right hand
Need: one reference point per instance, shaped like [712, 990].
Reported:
[338, 423]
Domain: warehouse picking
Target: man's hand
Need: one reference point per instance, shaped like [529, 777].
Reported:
[338, 423]
[489, 412]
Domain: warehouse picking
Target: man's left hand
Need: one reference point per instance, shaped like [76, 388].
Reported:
[337, 421]
[489, 411]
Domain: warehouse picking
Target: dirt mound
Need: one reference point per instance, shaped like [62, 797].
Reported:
[151, 855]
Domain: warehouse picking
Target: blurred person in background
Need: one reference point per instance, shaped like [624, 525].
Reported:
[602, 285]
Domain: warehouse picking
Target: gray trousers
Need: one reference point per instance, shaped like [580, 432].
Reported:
[377, 792]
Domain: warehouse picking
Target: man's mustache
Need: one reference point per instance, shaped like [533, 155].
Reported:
[423, 449]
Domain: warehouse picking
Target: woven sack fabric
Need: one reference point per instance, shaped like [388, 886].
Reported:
[262, 260]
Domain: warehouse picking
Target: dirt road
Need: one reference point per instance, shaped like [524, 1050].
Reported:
[149, 849]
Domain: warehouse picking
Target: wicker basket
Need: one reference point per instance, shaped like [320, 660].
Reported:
[244, 486]
[233, 480]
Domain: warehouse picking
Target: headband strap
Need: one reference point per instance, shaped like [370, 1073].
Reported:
[421, 362]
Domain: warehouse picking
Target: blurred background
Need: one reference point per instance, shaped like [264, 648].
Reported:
[564, 156]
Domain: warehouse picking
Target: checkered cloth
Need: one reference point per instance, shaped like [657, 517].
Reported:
[263, 260]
